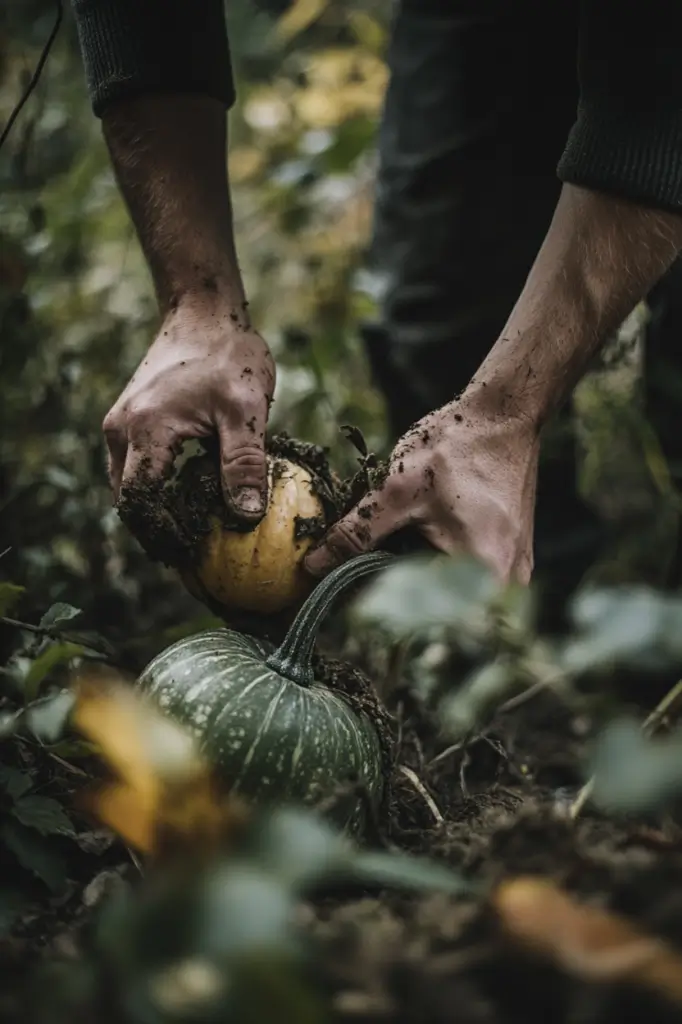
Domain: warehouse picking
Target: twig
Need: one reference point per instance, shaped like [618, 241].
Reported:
[135, 859]
[66, 764]
[423, 792]
[5, 552]
[650, 726]
[446, 753]
[35, 77]
[53, 634]
[521, 698]
[39, 630]
[656, 719]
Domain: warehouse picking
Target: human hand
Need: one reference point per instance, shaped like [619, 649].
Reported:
[464, 479]
[207, 372]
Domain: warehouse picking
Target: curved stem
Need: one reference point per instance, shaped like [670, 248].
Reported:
[293, 658]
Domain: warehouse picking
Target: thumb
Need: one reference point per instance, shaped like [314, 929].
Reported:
[243, 470]
[365, 526]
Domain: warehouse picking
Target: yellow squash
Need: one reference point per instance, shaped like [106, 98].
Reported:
[261, 571]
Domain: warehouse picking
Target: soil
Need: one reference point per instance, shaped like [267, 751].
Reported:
[497, 810]
[493, 810]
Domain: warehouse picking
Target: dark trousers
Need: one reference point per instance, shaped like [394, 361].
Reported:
[480, 102]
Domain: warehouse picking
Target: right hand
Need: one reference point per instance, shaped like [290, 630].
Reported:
[207, 372]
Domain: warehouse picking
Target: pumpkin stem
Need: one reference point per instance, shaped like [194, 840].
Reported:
[293, 658]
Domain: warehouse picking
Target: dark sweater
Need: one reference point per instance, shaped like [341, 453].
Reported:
[627, 139]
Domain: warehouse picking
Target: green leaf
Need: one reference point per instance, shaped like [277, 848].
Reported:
[296, 846]
[633, 773]
[14, 782]
[10, 594]
[11, 903]
[482, 691]
[47, 718]
[42, 813]
[630, 626]
[423, 592]
[242, 908]
[73, 750]
[34, 854]
[58, 615]
[400, 870]
[56, 654]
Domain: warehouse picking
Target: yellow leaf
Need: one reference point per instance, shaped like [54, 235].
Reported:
[164, 797]
[589, 942]
[126, 811]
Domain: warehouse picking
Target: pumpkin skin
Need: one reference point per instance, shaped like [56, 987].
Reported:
[261, 570]
[271, 738]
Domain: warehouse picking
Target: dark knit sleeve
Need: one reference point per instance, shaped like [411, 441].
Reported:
[131, 47]
[627, 139]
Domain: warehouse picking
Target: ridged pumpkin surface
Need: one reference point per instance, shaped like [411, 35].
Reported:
[261, 570]
[272, 739]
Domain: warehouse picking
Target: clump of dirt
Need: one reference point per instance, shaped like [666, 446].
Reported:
[172, 517]
[357, 691]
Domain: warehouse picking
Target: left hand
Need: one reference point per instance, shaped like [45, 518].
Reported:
[465, 479]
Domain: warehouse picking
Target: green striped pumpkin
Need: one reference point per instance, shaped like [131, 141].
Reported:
[275, 733]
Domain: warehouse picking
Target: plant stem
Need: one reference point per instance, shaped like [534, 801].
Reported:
[293, 658]
[53, 634]
[650, 726]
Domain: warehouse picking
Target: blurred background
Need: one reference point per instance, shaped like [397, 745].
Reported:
[77, 310]
[76, 303]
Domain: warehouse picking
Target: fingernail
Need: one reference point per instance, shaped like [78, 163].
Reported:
[248, 499]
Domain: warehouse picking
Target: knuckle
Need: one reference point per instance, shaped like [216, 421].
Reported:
[352, 537]
[244, 457]
[112, 425]
[141, 419]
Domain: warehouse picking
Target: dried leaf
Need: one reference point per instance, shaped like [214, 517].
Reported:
[593, 944]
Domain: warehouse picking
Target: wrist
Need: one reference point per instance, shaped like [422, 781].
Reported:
[169, 154]
[206, 312]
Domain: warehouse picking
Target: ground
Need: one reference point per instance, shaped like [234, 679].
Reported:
[495, 810]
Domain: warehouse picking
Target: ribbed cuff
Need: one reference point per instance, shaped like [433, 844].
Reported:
[132, 47]
[635, 157]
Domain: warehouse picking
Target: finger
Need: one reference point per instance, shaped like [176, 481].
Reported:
[152, 447]
[523, 571]
[147, 462]
[243, 466]
[117, 447]
[376, 517]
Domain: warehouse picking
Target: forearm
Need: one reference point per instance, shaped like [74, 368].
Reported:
[600, 257]
[169, 156]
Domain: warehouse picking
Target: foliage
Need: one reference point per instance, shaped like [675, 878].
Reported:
[76, 313]
[76, 308]
[458, 604]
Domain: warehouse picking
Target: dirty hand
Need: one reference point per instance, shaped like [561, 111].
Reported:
[464, 479]
[207, 372]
